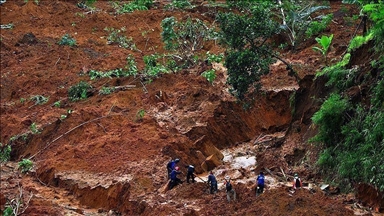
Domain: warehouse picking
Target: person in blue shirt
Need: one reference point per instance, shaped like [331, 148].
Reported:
[171, 166]
[212, 182]
[174, 180]
[260, 184]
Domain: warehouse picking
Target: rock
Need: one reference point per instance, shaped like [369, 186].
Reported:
[211, 162]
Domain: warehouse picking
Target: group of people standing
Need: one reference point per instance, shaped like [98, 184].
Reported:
[174, 170]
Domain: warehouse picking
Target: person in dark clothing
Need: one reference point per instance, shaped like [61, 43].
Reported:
[212, 182]
[171, 166]
[297, 182]
[260, 184]
[190, 173]
[174, 180]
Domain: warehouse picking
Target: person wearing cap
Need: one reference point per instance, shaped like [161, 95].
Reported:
[229, 189]
[212, 182]
[174, 180]
[171, 166]
[190, 173]
[297, 182]
[260, 184]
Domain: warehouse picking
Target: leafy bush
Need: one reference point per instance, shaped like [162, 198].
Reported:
[106, 90]
[5, 152]
[329, 119]
[79, 91]
[116, 37]
[210, 75]
[34, 129]
[214, 58]
[153, 68]
[186, 38]
[179, 4]
[67, 40]
[358, 41]
[25, 165]
[39, 99]
[316, 27]
[132, 6]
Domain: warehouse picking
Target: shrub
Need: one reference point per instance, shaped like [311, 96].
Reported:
[132, 6]
[79, 91]
[25, 165]
[116, 37]
[39, 99]
[329, 119]
[186, 38]
[5, 152]
[210, 75]
[316, 27]
[67, 40]
[34, 129]
[106, 90]
[179, 4]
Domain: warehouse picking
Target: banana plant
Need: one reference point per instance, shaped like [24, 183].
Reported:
[325, 43]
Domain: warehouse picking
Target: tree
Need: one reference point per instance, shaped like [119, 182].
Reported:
[248, 54]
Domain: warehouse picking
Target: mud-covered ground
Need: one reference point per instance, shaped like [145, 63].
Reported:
[99, 156]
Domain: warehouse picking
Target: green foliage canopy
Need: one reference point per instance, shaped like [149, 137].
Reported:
[249, 55]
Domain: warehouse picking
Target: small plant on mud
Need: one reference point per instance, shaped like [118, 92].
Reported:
[132, 6]
[22, 100]
[25, 165]
[67, 40]
[34, 128]
[178, 4]
[214, 58]
[153, 68]
[116, 37]
[39, 99]
[210, 75]
[79, 91]
[57, 104]
[5, 153]
[317, 27]
[106, 90]
[140, 115]
[325, 43]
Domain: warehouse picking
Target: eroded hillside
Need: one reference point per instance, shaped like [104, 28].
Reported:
[107, 154]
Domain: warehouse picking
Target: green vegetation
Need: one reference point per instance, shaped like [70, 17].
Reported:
[352, 132]
[186, 38]
[34, 129]
[132, 6]
[210, 75]
[106, 90]
[248, 54]
[325, 42]
[67, 40]
[79, 91]
[5, 153]
[116, 37]
[140, 115]
[57, 104]
[358, 41]
[316, 27]
[39, 99]
[297, 21]
[178, 4]
[25, 165]
[153, 68]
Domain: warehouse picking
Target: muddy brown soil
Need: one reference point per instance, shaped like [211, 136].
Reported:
[103, 158]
